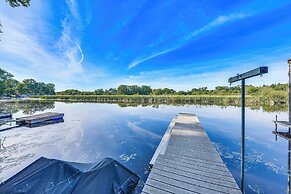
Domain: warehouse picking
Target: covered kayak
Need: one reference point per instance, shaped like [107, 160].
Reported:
[56, 176]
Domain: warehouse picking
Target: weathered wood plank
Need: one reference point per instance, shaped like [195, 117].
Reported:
[196, 180]
[176, 182]
[201, 176]
[187, 162]
[167, 187]
[153, 189]
[196, 159]
[195, 166]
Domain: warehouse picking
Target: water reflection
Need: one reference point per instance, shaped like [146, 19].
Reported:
[264, 107]
[130, 134]
[27, 107]
[287, 136]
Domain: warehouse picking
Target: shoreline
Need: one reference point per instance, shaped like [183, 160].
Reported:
[134, 101]
[183, 99]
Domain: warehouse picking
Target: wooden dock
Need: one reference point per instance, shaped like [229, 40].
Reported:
[39, 118]
[5, 115]
[187, 162]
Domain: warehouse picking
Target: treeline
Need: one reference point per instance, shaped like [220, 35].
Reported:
[274, 89]
[10, 87]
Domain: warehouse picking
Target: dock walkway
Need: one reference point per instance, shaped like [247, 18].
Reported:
[187, 162]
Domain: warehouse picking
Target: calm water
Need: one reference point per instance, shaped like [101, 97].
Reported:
[130, 135]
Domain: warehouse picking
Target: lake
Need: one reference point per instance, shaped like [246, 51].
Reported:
[92, 131]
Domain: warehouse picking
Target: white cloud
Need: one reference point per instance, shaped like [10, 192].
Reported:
[214, 23]
[28, 48]
[186, 78]
[72, 50]
[217, 22]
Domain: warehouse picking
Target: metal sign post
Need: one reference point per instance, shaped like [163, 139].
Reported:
[289, 119]
[289, 92]
[242, 77]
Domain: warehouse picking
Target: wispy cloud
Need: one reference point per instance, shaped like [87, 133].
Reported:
[218, 22]
[207, 75]
[221, 20]
[70, 48]
[29, 48]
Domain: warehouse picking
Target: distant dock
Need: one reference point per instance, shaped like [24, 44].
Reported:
[31, 121]
[5, 115]
[187, 162]
[39, 118]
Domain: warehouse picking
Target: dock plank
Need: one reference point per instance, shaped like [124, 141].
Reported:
[186, 161]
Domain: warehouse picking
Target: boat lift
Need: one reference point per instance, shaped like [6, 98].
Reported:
[242, 77]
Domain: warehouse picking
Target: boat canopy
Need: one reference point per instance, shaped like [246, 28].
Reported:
[57, 176]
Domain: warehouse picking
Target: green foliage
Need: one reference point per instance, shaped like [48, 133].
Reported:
[4, 80]
[11, 87]
[257, 96]
[276, 91]
[121, 90]
[17, 3]
[134, 89]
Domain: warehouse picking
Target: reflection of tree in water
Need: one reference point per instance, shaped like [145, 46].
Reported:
[264, 107]
[27, 107]
[30, 107]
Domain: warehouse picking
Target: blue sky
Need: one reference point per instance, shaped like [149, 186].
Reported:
[168, 43]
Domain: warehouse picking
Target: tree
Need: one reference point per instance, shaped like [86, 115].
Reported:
[145, 90]
[99, 92]
[157, 91]
[17, 3]
[168, 91]
[31, 85]
[22, 88]
[69, 92]
[4, 76]
[10, 87]
[112, 91]
[50, 89]
[123, 89]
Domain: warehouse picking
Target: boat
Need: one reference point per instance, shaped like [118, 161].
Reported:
[56, 176]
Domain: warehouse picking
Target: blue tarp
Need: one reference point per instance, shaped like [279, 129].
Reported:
[56, 176]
